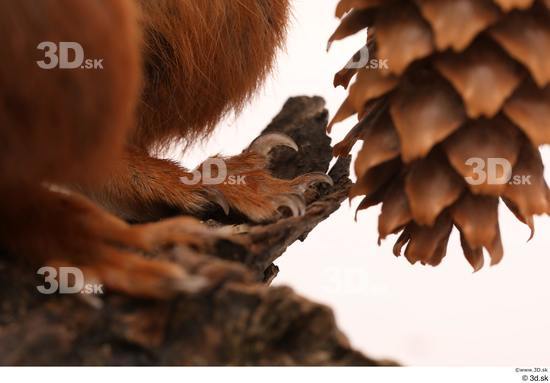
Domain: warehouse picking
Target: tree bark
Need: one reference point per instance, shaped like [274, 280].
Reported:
[239, 320]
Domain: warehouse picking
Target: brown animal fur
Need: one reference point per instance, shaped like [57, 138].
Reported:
[203, 59]
[172, 69]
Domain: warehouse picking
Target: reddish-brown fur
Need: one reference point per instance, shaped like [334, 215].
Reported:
[172, 69]
[66, 125]
[203, 60]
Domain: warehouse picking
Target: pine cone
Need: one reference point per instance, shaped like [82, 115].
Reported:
[460, 92]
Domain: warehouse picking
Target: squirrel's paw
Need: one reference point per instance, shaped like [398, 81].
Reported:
[148, 189]
[252, 191]
[155, 260]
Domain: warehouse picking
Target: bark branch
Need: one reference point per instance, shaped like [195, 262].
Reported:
[238, 321]
[305, 120]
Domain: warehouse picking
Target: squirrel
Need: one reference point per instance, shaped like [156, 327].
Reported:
[80, 183]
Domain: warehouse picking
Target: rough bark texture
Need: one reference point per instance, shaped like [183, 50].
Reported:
[238, 320]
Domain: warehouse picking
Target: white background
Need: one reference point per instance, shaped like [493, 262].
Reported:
[417, 315]
[266, 374]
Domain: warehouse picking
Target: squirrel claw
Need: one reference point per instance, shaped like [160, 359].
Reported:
[293, 201]
[267, 142]
[304, 182]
